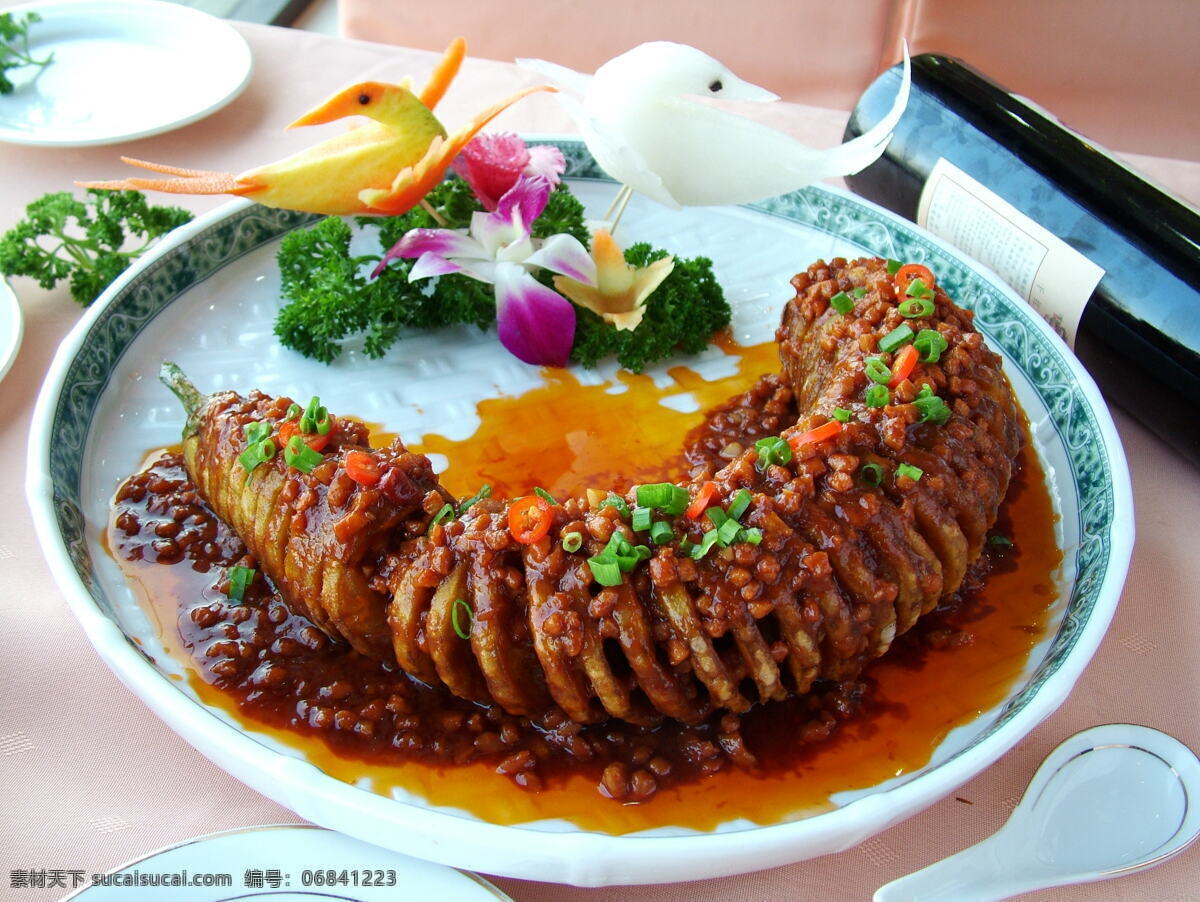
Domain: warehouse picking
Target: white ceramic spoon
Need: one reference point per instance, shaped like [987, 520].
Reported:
[1107, 802]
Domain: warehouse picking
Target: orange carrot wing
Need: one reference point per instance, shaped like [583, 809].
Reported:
[444, 74]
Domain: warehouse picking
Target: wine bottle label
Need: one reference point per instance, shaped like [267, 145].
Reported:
[1051, 275]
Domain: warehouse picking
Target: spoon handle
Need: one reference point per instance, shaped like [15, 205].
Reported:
[976, 874]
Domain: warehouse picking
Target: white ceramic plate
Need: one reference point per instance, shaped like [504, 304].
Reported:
[12, 327]
[122, 69]
[285, 863]
[207, 297]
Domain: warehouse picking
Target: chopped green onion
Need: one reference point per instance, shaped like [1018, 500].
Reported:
[464, 632]
[625, 556]
[239, 581]
[716, 516]
[315, 418]
[485, 491]
[258, 453]
[752, 535]
[916, 308]
[299, 456]
[913, 473]
[930, 343]
[918, 289]
[878, 371]
[933, 409]
[706, 544]
[842, 302]
[664, 496]
[256, 432]
[893, 267]
[871, 474]
[737, 507]
[293, 411]
[445, 512]
[728, 531]
[661, 533]
[896, 339]
[772, 450]
[842, 415]
[686, 546]
[642, 517]
[999, 541]
[859, 292]
[572, 541]
[615, 501]
[543, 494]
[605, 570]
[878, 396]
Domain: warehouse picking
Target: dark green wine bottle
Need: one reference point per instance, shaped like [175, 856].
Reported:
[1138, 333]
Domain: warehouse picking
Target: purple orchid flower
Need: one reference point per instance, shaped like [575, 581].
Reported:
[535, 323]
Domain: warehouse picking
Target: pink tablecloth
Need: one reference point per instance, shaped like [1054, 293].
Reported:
[92, 779]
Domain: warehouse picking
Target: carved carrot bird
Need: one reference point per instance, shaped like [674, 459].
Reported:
[384, 167]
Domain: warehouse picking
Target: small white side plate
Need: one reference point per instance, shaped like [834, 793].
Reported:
[286, 863]
[12, 327]
[122, 69]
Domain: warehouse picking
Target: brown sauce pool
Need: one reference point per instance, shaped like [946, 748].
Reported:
[956, 663]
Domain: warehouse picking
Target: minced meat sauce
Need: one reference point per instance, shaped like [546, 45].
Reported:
[283, 671]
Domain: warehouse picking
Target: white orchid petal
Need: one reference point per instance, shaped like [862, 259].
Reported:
[564, 255]
[493, 232]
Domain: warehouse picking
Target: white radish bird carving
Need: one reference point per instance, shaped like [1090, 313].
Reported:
[638, 120]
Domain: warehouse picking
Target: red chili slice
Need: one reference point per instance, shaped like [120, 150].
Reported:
[529, 519]
[362, 467]
[910, 272]
[702, 500]
[314, 440]
[815, 436]
[905, 360]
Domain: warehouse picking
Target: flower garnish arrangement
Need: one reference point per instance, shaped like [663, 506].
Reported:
[503, 242]
[479, 228]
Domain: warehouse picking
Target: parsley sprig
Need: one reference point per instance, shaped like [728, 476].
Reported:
[14, 47]
[63, 238]
[330, 297]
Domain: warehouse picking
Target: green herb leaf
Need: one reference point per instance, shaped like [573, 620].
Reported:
[842, 302]
[485, 491]
[871, 473]
[916, 308]
[667, 497]
[83, 242]
[615, 501]
[930, 343]
[877, 396]
[933, 409]
[14, 47]
[896, 339]
[445, 513]
[299, 456]
[605, 570]
[240, 579]
[463, 631]
[877, 370]
[641, 519]
[661, 533]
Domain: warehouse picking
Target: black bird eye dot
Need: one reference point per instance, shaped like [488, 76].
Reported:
[715, 86]
[364, 99]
